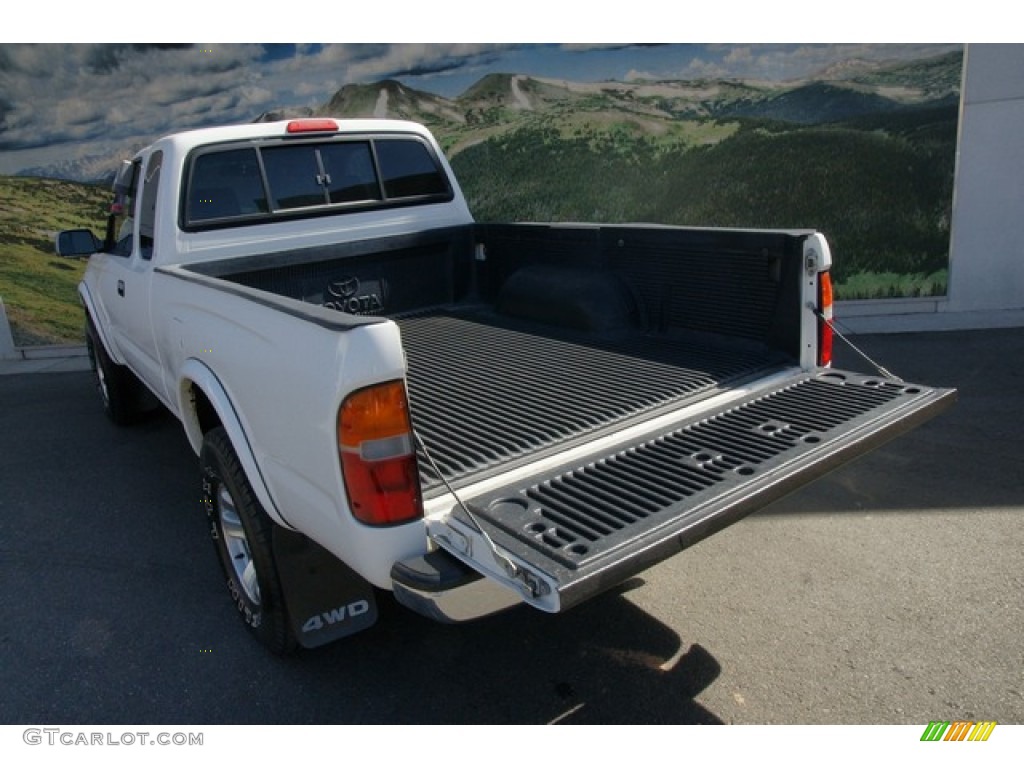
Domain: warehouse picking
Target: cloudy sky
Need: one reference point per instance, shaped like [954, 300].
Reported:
[67, 101]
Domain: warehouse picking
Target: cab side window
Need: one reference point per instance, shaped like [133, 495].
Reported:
[147, 206]
[124, 213]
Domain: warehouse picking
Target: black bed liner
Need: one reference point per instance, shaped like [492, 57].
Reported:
[489, 391]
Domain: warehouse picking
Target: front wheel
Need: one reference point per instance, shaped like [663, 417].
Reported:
[117, 386]
[242, 534]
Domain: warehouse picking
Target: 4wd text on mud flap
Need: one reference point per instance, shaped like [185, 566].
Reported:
[318, 621]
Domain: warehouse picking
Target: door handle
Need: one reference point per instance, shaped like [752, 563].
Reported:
[120, 287]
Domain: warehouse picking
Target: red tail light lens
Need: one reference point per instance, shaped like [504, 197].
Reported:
[825, 333]
[378, 455]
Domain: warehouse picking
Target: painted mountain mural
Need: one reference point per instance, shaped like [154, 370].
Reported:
[864, 153]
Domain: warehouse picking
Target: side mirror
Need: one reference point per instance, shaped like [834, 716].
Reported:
[77, 242]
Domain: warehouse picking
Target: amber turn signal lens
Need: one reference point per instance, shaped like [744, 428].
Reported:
[378, 460]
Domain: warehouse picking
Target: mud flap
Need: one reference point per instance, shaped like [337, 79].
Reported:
[326, 599]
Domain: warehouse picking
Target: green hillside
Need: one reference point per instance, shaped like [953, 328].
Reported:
[882, 195]
[37, 286]
[868, 160]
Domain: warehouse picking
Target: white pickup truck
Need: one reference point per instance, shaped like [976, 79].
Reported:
[386, 396]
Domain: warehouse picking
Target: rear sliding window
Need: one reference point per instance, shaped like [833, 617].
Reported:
[235, 184]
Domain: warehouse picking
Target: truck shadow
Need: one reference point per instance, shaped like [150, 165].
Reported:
[604, 662]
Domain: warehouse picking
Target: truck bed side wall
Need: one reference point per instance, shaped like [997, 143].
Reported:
[282, 374]
[733, 282]
[401, 273]
[738, 283]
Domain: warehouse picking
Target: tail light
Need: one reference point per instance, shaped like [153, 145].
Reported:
[825, 320]
[378, 455]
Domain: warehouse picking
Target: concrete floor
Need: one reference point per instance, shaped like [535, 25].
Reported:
[887, 592]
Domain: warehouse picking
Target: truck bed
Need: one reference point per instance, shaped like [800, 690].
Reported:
[524, 340]
[576, 349]
[489, 391]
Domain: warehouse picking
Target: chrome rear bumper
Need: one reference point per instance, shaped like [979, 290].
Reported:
[442, 588]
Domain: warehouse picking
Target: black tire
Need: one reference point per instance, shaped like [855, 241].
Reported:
[242, 534]
[117, 386]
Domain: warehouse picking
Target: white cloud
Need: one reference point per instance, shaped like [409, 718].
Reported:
[51, 94]
[740, 56]
[80, 90]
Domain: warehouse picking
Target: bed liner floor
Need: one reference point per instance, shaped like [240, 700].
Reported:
[489, 391]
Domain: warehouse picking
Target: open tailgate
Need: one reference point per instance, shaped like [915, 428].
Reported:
[577, 529]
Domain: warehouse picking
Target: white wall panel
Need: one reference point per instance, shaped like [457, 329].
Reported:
[987, 244]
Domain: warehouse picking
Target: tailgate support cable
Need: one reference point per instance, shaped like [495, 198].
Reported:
[878, 367]
[534, 585]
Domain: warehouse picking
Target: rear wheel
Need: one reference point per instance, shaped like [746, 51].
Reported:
[243, 536]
